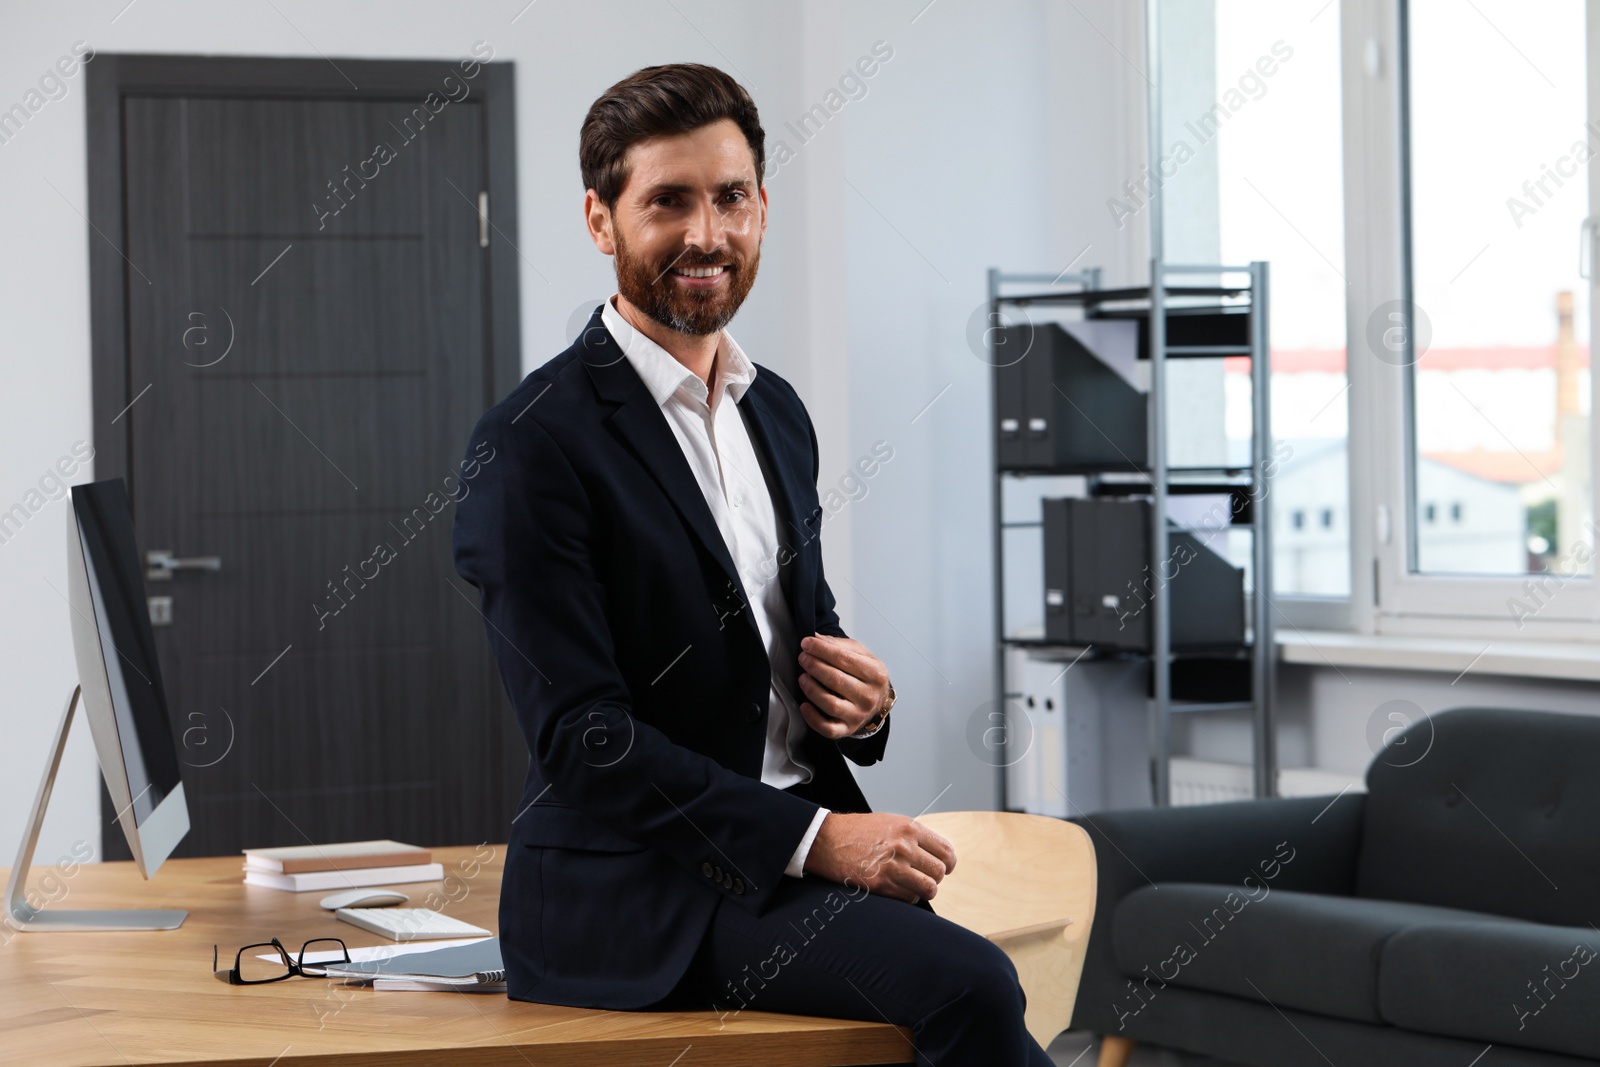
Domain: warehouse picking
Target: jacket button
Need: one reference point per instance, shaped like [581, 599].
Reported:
[705, 869]
[754, 714]
[738, 885]
[716, 874]
[727, 881]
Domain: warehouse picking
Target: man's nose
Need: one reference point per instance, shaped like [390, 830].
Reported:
[706, 228]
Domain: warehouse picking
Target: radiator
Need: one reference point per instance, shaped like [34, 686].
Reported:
[1197, 781]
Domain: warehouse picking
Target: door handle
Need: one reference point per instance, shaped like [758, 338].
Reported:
[1586, 238]
[161, 564]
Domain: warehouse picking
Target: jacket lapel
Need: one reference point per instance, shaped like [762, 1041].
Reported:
[785, 493]
[641, 425]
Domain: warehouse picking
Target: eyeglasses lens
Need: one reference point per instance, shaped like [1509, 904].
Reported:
[252, 968]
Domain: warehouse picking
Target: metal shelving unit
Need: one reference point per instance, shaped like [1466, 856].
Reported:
[1157, 477]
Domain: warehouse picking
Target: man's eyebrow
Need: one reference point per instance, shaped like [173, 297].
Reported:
[684, 187]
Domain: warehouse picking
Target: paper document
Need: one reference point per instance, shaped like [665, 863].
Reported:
[375, 952]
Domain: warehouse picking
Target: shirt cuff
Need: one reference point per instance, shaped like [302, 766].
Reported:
[797, 863]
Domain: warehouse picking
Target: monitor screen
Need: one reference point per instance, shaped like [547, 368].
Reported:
[127, 644]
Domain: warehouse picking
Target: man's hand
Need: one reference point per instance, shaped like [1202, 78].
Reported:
[890, 855]
[845, 684]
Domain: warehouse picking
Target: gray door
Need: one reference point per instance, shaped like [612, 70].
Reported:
[306, 310]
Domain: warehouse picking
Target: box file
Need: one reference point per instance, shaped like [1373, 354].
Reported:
[1062, 408]
[1100, 590]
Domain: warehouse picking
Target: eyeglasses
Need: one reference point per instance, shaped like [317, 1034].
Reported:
[248, 969]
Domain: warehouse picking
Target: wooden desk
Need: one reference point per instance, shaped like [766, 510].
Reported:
[75, 999]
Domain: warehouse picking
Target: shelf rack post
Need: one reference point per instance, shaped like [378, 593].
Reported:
[1160, 708]
[1086, 279]
[996, 524]
[1264, 646]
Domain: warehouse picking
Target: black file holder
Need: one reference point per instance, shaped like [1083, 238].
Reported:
[1061, 408]
[1099, 587]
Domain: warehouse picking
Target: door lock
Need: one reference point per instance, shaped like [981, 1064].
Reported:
[160, 610]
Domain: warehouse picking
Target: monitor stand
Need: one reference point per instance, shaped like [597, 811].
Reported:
[20, 915]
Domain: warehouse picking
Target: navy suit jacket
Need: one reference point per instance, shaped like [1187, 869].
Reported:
[632, 659]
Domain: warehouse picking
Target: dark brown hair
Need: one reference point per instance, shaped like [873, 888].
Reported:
[656, 101]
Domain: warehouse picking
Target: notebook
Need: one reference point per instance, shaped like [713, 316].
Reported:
[461, 967]
[339, 856]
[354, 878]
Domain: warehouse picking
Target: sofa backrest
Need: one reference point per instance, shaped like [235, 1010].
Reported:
[1488, 809]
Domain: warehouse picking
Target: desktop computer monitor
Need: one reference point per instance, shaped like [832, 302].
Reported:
[119, 686]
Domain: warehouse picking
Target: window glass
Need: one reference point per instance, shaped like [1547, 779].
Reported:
[1498, 357]
[1272, 120]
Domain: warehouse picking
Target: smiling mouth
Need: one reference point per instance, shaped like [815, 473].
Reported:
[700, 272]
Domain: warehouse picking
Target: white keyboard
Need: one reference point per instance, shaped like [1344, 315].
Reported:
[409, 924]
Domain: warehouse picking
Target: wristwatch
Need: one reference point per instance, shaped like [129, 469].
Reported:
[876, 722]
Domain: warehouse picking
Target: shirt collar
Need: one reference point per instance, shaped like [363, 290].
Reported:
[664, 376]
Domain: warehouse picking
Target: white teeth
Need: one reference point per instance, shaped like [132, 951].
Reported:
[699, 272]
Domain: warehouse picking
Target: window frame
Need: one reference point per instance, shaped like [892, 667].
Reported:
[1387, 595]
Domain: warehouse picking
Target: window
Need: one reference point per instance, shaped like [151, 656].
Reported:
[1498, 350]
[1280, 162]
[1468, 188]
[1459, 147]
[1251, 117]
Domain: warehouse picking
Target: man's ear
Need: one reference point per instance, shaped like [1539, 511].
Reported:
[597, 218]
[761, 191]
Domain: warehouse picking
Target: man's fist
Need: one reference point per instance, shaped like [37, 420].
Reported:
[890, 855]
[844, 684]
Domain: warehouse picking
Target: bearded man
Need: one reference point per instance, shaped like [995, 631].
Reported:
[646, 544]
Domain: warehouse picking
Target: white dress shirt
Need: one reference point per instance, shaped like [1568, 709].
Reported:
[716, 443]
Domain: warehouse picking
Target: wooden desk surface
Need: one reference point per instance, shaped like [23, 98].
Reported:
[77, 999]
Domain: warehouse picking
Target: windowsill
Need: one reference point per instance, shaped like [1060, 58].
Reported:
[1579, 661]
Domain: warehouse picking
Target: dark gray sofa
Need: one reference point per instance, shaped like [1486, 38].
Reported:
[1450, 916]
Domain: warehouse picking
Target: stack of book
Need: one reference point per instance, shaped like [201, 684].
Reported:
[346, 865]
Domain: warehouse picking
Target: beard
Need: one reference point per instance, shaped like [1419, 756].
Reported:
[648, 285]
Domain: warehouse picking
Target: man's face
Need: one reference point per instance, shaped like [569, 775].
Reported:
[686, 231]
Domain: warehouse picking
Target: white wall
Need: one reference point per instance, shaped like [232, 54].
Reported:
[992, 137]
[1329, 711]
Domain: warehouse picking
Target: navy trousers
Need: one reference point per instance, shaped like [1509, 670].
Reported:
[830, 950]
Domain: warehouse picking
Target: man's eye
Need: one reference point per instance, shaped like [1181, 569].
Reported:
[735, 197]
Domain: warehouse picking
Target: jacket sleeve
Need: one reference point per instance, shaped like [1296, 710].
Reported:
[864, 751]
[523, 536]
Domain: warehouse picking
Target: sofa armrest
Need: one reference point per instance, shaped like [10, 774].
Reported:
[1225, 843]
[1308, 844]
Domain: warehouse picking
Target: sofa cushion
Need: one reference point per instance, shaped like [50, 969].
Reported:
[1299, 950]
[1489, 810]
[1510, 984]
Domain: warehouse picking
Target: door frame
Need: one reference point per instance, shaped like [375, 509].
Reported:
[113, 77]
